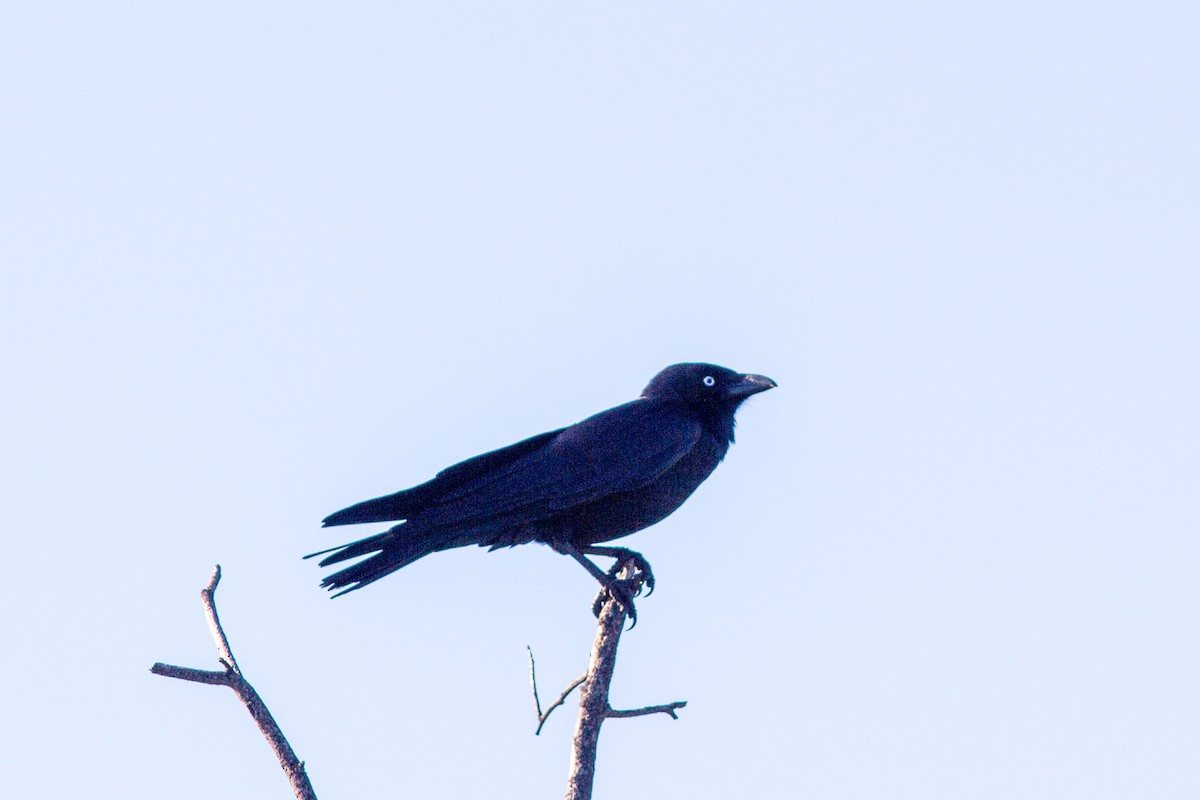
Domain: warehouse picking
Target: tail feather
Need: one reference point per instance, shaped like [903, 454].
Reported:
[382, 509]
[391, 549]
[361, 547]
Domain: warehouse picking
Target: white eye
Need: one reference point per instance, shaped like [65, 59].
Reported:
[709, 380]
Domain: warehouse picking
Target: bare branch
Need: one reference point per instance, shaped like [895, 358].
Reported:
[214, 622]
[542, 717]
[194, 675]
[533, 682]
[232, 677]
[668, 708]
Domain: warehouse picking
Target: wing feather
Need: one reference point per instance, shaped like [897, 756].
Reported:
[615, 451]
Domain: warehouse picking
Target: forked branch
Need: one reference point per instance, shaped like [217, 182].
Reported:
[232, 677]
[545, 715]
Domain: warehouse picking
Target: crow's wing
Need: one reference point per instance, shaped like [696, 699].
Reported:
[402, 505]
[614, 451]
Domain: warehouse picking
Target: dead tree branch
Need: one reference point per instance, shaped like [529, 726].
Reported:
[593, 698]
[232, 677]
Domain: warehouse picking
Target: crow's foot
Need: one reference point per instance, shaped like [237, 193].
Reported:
[643, 575]
[623, 590]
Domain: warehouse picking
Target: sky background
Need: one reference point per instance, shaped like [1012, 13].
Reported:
[262, 261]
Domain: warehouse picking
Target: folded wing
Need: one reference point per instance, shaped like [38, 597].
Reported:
[615, 451]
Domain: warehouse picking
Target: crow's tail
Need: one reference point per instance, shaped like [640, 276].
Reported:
[392, 550]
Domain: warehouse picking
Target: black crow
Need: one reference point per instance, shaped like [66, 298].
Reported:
[603, 478]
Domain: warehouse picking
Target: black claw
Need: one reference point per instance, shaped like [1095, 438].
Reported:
[647, 577]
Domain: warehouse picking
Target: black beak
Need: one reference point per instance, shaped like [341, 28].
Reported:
[750, 384]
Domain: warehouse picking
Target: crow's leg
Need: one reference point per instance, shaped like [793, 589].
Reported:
[623, 590]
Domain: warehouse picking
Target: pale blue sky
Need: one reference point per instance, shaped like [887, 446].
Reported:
[263, 261]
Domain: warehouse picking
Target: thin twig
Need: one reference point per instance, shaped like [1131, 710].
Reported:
[533, 682]
[542, 717]
[232, 677]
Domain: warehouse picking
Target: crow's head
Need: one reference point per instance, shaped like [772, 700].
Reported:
[714, 392]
